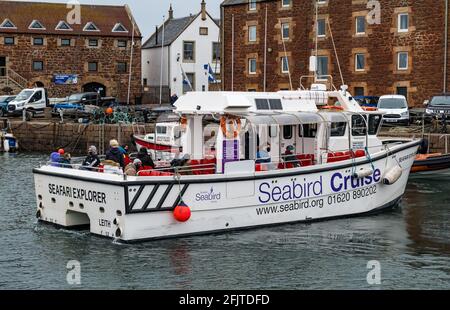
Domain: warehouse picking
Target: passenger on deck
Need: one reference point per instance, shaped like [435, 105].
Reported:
[145, 158]
[92, 161]
[66, 161]
[133, 168]
[290, 159]
[114, 154]
[182, 164]
[55, 159]
[263, 156]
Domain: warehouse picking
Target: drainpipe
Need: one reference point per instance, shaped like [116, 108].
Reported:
[446, 46]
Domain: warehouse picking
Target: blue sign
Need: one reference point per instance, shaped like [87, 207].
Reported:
[65, 79]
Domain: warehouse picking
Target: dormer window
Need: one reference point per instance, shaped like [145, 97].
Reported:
[8, 24]
[119, 28]
[36, 25]
[91, 27]
[62, 25]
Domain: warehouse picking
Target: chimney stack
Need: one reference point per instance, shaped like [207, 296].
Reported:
[203, 10]
[170, 12]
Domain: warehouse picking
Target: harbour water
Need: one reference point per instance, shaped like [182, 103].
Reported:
[411, 244]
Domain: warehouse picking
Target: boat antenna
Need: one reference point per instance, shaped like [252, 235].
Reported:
[317, 41]
[162, 59]
[286, 57]
[131, 64]
[265, 52]
[336, 54]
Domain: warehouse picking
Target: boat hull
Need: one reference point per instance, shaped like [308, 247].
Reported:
[139, 209]
[431, 167]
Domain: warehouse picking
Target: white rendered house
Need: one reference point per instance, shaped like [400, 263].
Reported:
[191, 53]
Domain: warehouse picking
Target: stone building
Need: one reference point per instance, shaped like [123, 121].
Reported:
[69, 49]
[384, 47]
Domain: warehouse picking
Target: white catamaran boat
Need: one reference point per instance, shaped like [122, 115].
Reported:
[256, 159]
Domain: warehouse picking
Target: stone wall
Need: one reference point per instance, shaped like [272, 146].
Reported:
[74, 138]
[424, 42]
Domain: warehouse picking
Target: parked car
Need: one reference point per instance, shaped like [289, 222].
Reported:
[367, 101]
[396, 109]
[4, 100]
[33, 101]
[438, 106]
[78, 102]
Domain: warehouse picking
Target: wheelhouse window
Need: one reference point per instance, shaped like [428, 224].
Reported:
[374, 124]
[359, 126]
[308, 131]
[338, 129]
[288, 132]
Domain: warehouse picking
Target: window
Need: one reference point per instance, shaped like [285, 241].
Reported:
[62, 25]
[66, 42]
[284, 64]
[338, 129]
[186, 87]
[374, 124]
[403, 22]
[119, 28]
[90, 27]
[322, 67]
[285, 31]
[8, 24]
[93, 66]
[252, 5]
[189, 51]
[402, 61]
[216, 56]
[38, 41]
[9, 40]
[275, 104]
[268, 104]
[122, 43]
[121, 67]
[308, 131]
[35, 24]
[360, 25]
[321, 32]
[288, 132]
[252, 33]
[285, 3]
[359, 126]
[359, 91]
[145, 82]
[360, 62]
[93, 42]
[203, 31]
[252, 66]
[403, 91]
[38, 65]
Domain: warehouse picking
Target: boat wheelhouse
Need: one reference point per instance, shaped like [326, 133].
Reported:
[253, 159]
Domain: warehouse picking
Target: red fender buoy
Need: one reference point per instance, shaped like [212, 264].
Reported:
[182, 213]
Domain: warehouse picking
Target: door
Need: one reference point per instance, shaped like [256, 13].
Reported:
[37, 101]
[2, 66]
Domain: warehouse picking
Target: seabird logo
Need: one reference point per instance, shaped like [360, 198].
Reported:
[210, 196]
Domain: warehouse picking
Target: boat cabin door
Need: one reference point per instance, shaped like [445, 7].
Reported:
[358, 132]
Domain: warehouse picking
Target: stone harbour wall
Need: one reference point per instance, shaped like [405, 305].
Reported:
[75, 138]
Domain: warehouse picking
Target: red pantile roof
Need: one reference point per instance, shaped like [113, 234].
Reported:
[105, 17]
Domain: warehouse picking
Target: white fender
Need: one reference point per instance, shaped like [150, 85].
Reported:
[6, 145]
[363, 173]
[393, 175]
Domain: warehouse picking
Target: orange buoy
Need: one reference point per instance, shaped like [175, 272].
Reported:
[109, 111]
[182, 213]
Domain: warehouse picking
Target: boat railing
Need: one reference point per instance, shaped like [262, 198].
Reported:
[325, 79]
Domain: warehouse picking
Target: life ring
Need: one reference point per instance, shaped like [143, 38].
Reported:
[183, 123]
[235, 127]
[332, 107]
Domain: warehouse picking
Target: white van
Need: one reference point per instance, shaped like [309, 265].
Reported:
[33, 100]
[396, 109]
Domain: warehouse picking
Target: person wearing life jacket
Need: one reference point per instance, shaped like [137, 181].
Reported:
[92, 161]
[289, 157]
[145, 158]
[66, 161]
[114, 154]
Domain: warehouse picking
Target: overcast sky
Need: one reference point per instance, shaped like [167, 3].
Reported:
[149, 13]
